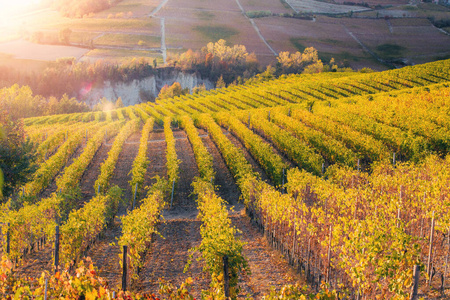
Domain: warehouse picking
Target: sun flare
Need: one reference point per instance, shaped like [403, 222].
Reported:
[16, 5]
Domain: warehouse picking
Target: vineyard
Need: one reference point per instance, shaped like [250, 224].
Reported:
[343, 176]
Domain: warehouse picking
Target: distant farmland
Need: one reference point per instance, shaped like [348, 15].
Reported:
[352, 34]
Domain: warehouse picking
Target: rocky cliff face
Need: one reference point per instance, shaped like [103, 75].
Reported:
[146, 89]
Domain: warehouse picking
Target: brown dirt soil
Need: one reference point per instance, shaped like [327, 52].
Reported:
[267, 267]
[37, 262]
[375, 2]
[41, 259]
[228, 190]
[182, 21]
[124, 164]
[105, 254]
[51, 188]
[328, 37]
[180, 232]
[270, 5]
[156, 153]
[92, 172]
[277, 151]
[248, 156]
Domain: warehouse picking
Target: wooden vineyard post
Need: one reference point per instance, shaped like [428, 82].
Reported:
[171, 196]
[282, 181]
[329, 256]
[446, 260]
[8, 240]
[226, 277]
[269, 116]
[421, 222]
[134, 198]
[393, 159]
[56, 248]
[308, 263]
[45, 288]
[294, 238]
[430, 250]
[358, 166]
[323, 168]
[124, 268]
[415, 286]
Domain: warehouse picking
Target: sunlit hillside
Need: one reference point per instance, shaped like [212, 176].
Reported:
[335, 181]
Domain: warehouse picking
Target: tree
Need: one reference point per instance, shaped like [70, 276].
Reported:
[220, 83]
[119, 103]
[297, 62]
[17, 154]
[199, 88]
[64, 36]
[172, 91]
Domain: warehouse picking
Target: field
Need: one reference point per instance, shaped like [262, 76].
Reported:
[305, 178]
[21, 50]
[192, 24]
[312, 6]
[330, 40]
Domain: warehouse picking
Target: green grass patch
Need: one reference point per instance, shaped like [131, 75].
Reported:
[333, 42]
[389, 51]
[205, 15]
[285, 4]
[215, 33]
[297, 43]
[409, 8]
[442, 57]
[258, 13]
[123, 39]
[432, 7]
[122, 55]
[342, 57]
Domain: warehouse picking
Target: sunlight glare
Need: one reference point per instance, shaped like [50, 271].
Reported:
[15, 6]
[11, 8]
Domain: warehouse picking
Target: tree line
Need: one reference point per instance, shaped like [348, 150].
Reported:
[80, 8]
[66, 76]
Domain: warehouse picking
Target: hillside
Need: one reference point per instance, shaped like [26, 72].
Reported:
[336, 180]
[358, 34]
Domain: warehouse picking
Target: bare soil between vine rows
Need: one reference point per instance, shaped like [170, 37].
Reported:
[180, 232]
